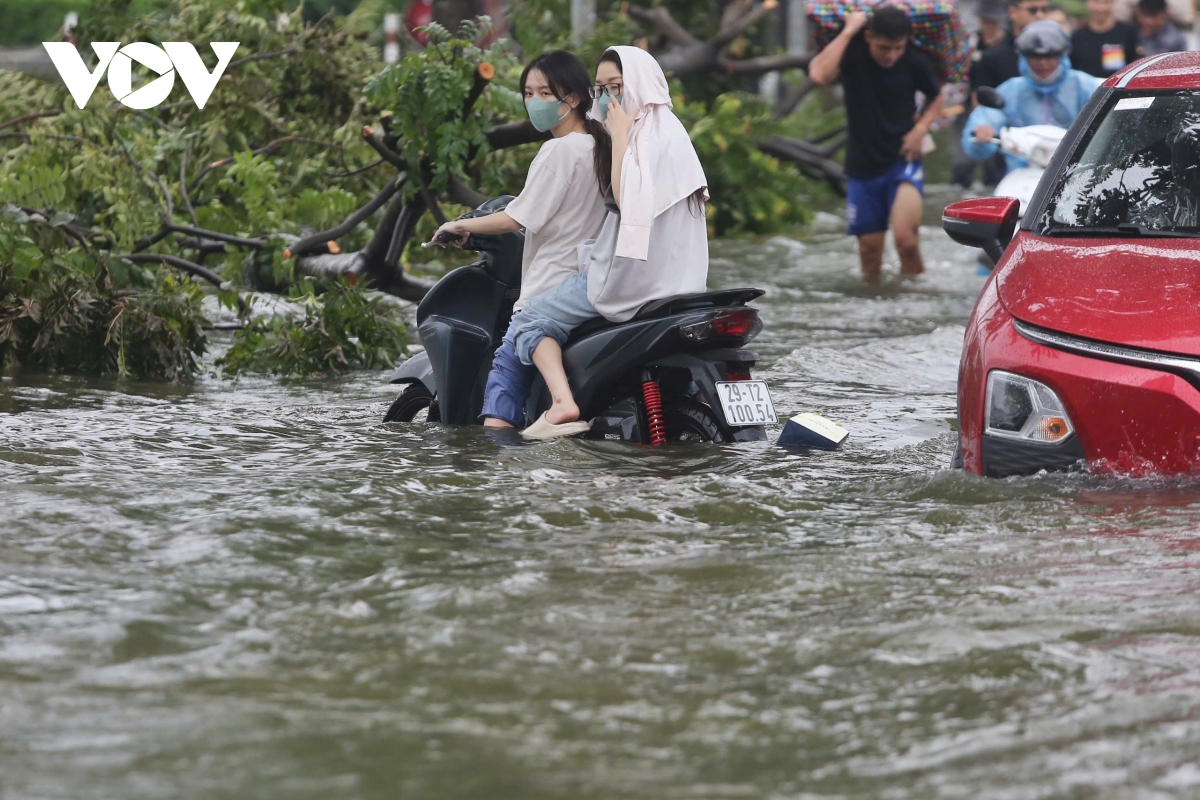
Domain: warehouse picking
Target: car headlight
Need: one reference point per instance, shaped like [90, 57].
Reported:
[1022, 408]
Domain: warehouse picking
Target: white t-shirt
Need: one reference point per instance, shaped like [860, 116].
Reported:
[559, 207]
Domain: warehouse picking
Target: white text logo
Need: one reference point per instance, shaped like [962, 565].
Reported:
[164, 61]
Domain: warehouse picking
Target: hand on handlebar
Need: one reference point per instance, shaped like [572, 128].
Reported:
[452, 231]
[984, 133]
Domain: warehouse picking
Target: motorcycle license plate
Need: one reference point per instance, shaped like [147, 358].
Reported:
[746, 402]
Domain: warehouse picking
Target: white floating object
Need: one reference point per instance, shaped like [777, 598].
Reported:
[812, 430]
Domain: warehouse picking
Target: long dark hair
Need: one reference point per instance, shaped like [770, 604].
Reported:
[566, 75]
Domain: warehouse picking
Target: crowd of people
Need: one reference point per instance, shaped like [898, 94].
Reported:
[1114, 34]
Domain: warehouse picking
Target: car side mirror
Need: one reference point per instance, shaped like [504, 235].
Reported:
[985, 222]
[989, 97]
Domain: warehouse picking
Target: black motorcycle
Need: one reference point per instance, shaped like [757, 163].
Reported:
[676, 371]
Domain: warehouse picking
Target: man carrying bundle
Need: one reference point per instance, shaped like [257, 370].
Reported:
[880, 76]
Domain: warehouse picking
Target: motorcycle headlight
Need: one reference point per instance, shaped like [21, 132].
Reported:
[1022, 408]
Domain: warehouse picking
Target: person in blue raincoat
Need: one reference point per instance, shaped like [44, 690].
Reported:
[1047, 92]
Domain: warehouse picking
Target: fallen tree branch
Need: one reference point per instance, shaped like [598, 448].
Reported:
[375, 138]
[305, 244]
[431, 203]
[512, 134]
[190, 267]
[734, 26]
[827, 135]
[204, 248]
[661, 18]
[483, 76]
[807, 156]
[54, 112]
[216, 236]
[334, 176]
[150, 241]
[761, 64]
[458, 192]
[792, 98]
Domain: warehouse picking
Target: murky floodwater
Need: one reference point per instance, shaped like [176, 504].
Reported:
[256, 590]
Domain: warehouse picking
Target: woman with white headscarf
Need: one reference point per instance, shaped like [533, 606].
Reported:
[654, 242]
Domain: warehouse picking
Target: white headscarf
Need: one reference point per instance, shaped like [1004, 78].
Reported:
[661, 166]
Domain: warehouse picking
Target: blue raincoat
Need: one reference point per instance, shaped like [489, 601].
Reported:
[1028, 102]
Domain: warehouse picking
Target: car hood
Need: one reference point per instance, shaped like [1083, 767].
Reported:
[1137, 292]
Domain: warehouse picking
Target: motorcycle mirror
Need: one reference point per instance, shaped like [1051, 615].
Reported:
[985, 222]
[987, 96]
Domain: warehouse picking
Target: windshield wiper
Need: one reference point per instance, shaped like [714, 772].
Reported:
[1124, 229]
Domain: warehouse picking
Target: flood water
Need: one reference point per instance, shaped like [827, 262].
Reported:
[255, 589]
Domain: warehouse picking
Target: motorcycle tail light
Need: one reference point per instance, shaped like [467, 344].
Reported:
[1022, 408]
[741, 322]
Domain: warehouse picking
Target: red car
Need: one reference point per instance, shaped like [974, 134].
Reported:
[1083, 350]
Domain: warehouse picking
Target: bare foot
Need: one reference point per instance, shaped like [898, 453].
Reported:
[562, 410]
[492, 422]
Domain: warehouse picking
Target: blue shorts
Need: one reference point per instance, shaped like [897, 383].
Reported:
[869, 200]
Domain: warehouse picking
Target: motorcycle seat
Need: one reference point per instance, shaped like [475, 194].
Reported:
[669, 306]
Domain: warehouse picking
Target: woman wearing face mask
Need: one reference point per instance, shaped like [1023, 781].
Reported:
[561, 205]
[654, 242]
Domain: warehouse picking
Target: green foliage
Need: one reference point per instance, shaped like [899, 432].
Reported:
[120, 173]
[750, 191]
[426, 92]
[277, 153]
[65, 309]
[343, 328]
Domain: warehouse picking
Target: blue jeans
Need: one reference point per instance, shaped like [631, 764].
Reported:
[508, 386]
[555, 314]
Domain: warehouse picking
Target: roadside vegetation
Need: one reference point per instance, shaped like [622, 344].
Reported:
[312, 172]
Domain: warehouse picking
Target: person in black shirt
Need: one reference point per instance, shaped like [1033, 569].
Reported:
[998, 63]
[880, 76]
[992, 16]
[1104, 45]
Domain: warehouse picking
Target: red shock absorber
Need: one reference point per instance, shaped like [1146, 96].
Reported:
[654, 414]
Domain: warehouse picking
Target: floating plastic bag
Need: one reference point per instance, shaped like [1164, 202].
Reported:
[936, 30]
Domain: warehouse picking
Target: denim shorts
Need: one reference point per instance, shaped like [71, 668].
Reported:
[869, 200]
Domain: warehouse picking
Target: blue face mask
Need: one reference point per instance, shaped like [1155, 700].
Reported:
[544, 113]
[604, 102]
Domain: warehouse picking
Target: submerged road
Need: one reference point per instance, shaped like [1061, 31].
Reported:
[256, 589]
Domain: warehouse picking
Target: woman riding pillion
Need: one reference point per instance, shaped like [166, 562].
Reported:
[654, 241]
[561, 205]
[1047, 92]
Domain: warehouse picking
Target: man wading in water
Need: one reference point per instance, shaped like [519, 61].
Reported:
[880, 78]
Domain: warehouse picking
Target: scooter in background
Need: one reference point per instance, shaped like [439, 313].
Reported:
[678, 370]
[1035, 144]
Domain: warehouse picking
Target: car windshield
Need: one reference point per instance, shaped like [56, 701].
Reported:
[1140, 170]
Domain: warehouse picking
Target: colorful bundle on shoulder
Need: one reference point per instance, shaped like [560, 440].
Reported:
[936, 30]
